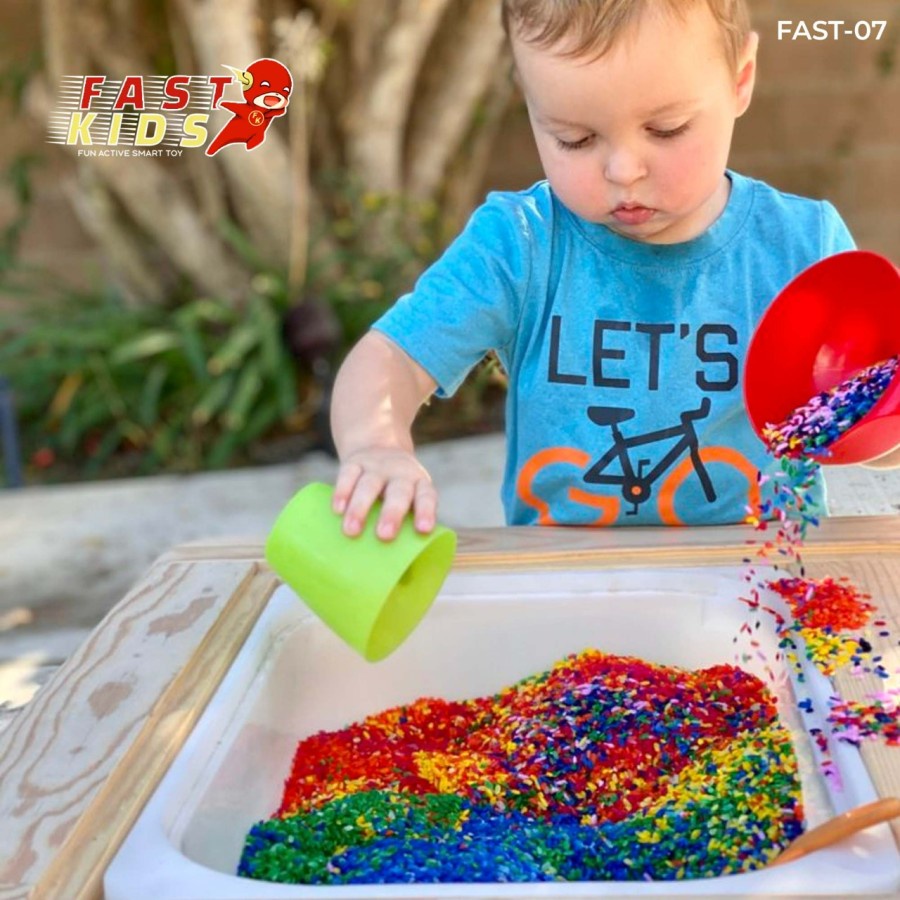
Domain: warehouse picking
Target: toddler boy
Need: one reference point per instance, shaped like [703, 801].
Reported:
[620, 294]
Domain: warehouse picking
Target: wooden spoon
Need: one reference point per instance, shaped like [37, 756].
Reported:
[839, 827]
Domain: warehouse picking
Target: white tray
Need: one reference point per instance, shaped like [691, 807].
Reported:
[293, 678]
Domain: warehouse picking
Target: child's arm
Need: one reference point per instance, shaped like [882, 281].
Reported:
[377, 393]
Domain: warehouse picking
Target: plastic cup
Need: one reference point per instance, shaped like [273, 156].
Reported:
[371, 593]
[834, 319]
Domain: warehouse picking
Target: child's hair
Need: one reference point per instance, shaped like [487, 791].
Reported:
[594, 25]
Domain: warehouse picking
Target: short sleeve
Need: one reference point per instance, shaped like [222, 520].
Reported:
[836, 237]
[468, 302]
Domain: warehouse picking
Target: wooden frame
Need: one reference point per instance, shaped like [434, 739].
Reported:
[79, 763]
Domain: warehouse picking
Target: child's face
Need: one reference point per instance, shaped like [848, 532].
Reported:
[638, 140]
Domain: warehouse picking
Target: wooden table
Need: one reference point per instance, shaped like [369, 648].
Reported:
[80, 762]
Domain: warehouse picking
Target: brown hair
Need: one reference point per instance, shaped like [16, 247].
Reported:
[594, 25]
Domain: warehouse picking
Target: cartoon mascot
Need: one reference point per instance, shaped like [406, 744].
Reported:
[266, 84]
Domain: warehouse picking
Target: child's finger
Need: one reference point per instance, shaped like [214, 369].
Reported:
[366, 492]
[425, 506]
[398, 498]
[347, 476]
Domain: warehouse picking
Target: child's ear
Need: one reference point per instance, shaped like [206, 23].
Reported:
[746, 73]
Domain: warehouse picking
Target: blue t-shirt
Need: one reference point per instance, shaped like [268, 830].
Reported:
[624, 358]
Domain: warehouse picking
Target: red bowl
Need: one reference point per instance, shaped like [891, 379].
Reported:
[835, 318]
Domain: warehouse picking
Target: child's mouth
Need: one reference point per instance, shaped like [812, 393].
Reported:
[631, 214]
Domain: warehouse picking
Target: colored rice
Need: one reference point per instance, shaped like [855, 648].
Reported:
[603, 768]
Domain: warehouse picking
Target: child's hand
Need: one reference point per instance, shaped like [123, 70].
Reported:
[394, 474]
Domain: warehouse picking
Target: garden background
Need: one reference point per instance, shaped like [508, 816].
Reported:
[187, 313]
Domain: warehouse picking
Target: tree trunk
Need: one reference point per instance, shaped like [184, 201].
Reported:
[403, 95]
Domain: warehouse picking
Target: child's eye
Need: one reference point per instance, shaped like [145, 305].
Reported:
[573, 145]
[670, 132]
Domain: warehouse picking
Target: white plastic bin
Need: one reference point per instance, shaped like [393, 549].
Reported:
[293, 678]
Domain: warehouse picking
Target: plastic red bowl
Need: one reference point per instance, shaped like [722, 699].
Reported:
[835, 318]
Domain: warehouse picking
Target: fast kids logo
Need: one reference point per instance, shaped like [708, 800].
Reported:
[266, 85]
[150, 115]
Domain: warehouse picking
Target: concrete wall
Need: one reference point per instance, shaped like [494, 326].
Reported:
[826, 117]
[53, 238]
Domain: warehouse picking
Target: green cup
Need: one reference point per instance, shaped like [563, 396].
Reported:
[371, 593]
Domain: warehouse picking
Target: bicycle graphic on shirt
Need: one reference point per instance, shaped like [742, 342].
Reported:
[638, 476]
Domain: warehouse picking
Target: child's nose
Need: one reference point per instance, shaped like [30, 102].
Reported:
[624, 166]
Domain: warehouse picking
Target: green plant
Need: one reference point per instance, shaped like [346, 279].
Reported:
[368, 250]
[107, 389]
[155, 389]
